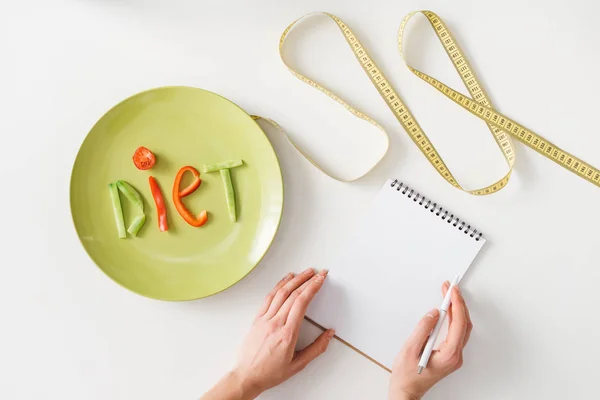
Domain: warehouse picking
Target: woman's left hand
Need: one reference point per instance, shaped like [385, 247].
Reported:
[269, 355]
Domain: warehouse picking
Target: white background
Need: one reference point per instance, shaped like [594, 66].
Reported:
[68, 332]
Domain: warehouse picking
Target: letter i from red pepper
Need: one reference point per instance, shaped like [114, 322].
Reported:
[178, 195]
[161, 209]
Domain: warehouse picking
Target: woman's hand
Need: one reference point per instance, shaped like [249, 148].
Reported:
[268, 355]
[406, 384]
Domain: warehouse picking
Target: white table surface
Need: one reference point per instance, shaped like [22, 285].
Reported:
[69, 332]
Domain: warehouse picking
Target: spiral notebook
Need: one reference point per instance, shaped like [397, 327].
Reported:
[391, 271]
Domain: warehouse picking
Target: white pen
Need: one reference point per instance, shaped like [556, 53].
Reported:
[436, 331]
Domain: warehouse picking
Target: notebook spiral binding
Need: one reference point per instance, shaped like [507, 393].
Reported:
[445, 215]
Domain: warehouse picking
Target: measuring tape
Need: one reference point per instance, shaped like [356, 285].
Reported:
[500, 126]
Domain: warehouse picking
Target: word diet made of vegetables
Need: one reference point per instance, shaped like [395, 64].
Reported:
[144, 159]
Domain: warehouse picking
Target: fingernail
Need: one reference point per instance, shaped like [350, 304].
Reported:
[320, 277]
[308, 271]
[446, 283]
[330, 333]
[433, 313]
[290, 275]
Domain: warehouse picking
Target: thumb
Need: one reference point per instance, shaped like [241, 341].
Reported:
[418, 339]
[312, 351]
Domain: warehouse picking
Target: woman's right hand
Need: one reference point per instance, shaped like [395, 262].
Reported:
[405, 383]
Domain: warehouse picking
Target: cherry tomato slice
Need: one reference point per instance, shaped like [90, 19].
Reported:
[143, 158]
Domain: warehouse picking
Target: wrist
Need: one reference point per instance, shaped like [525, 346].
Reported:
[245, 387]
[408, 396]
[233, 386]
[399, 394]
[404, 396]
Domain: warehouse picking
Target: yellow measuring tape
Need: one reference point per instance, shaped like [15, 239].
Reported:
[478, 104]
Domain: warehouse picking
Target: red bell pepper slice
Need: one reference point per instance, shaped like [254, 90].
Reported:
[192, 186]
[177, 196]
[161, 209]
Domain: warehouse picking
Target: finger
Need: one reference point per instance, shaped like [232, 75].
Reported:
[469, 322]
[287, 306]
[269, 298]
[284, 292]
[445, 287]
[294, 319]
[417, 340]
[312, 351]
[457, 330]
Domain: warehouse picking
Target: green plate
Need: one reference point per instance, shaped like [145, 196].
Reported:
[182, 126]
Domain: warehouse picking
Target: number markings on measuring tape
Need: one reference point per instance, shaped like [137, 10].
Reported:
[500, 126]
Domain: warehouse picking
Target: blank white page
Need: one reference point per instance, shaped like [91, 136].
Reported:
[390, 273]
